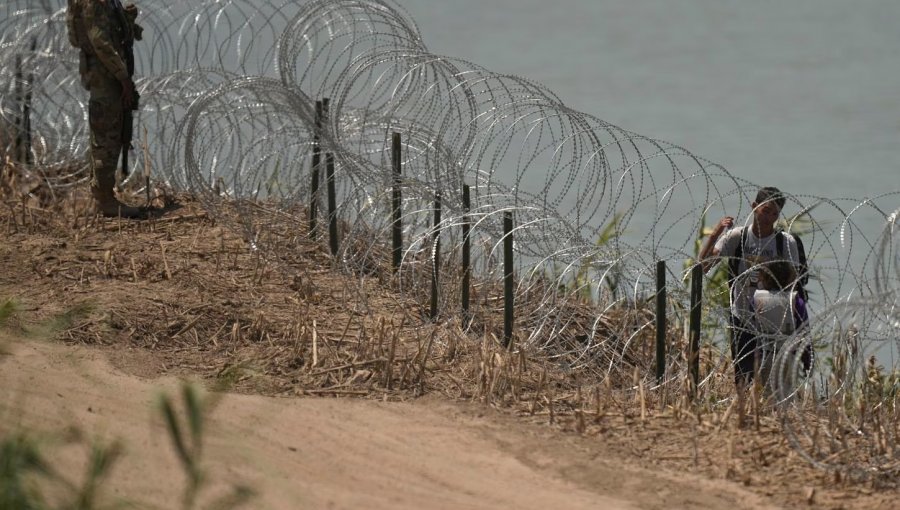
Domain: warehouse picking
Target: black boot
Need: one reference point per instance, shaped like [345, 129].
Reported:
[111, 207]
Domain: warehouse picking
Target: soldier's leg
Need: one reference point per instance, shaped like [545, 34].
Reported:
[105, 111]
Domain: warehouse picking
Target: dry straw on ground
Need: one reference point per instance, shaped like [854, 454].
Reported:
[189, 289]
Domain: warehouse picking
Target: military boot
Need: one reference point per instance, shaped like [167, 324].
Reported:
[111, 207]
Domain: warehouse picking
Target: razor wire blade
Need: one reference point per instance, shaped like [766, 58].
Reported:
[228, 111]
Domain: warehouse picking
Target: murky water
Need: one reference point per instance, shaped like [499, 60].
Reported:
[804, 95]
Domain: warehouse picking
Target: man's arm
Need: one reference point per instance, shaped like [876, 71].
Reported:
[709, 255]
[99, 25]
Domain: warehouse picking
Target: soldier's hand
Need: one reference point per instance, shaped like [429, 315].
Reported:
[131, 13]
[127, 94]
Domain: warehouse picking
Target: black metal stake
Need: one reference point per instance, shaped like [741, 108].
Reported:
[316, 161]
[397, 228]
[466, 253]
[436, 256]
[19, 121]
[26, 109]
[332, 204]
[660, 321]
[694, 344]
[508, 297]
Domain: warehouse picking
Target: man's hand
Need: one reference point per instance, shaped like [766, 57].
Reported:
[709, 252]
[724, 224]
[127, 94]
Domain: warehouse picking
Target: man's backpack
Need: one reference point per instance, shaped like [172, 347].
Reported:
[802, 271]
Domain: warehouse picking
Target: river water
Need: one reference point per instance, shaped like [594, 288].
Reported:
[803, 95]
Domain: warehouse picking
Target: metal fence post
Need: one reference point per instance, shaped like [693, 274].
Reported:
[397, 199]
[694, 343]
[660, 321]
[466, 252]
[314, 184]
[508, 280]
[332, 204]
[436, 256]
[28, 156]
[19, 94]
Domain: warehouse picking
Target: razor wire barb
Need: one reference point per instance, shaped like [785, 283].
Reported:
[228, 92]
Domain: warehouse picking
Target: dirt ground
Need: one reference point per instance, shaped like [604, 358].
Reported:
[334, 453]
[106, 314]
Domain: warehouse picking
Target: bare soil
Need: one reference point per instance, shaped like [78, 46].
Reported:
[336, 453]
[108, 312]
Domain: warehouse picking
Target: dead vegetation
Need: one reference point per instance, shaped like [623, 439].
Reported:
[188, 288]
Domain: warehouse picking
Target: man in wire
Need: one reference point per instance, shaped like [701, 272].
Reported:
[748, 250]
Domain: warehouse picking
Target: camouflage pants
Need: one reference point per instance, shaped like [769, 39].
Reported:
[105, 114]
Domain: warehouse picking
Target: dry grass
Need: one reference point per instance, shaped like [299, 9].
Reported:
[187, 287]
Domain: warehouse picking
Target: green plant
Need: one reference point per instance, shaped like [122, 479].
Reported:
[187, 439]
[273, 183]
[21, 464]
[29, 482]
[7, 310]
[48, 328]
[25, 477]
[231, 375]
[610, 232]
[68, 318]
[879, 386]
[716, 293]
[800, 223]
[591, 267]
[100, 465]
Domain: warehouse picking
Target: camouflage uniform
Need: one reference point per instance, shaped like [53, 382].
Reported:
[100, 28]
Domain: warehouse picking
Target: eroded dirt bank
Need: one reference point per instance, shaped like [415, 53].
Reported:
[102, 314]
[328, 453]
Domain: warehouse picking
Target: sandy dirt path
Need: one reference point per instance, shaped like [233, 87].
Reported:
[328, 453]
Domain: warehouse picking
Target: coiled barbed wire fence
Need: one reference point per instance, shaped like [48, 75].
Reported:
[229, 92]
